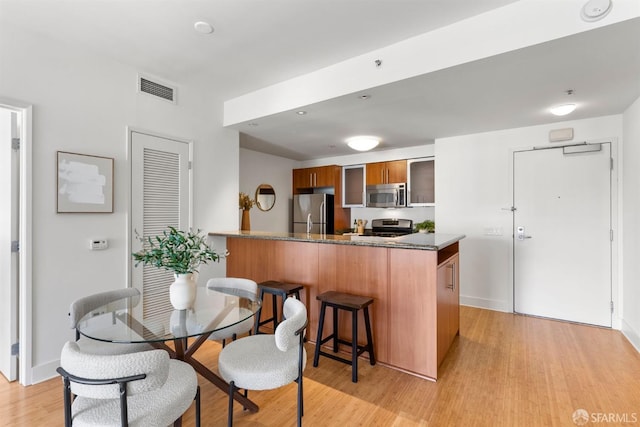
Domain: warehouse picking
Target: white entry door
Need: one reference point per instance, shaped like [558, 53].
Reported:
[9, 213]
[160, 197]
[562, 233]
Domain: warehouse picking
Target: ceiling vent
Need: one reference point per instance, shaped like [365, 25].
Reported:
[154, 88]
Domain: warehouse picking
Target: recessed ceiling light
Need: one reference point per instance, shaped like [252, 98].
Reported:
[203, 27]
[562, 110]
[364, 97]
[362, 143]
[301, 112]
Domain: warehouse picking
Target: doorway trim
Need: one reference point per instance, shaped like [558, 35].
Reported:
[25, 371]
[616, 221]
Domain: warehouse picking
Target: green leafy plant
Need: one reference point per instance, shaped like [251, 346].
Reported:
[428, 225]
[178, 251]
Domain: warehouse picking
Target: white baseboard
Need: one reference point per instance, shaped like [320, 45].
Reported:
[44, 372]
[486, 303]
[631, 335]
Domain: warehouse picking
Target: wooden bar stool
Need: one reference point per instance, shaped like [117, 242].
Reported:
[352, 303]
[276, 289]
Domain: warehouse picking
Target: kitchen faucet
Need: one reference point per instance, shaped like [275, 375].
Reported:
[309, 224]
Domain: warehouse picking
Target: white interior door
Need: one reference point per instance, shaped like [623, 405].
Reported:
[562, 233]
[160, 197]
[9, 214]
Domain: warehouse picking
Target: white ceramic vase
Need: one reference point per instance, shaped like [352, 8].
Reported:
[182, 292]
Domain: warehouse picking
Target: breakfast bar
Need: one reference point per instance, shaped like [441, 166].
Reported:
[413, 280]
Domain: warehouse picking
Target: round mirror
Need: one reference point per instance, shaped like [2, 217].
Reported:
[265, 197]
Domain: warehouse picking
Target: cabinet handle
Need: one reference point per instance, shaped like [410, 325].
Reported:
[387, 176]
[382, 176]
[310, 180]
[452, 286]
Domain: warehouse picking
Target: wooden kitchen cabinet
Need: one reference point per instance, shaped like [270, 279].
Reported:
[322, 176]
[392, 172]
[448, 297]
[415, 315]
[305, 180]
[413, 311]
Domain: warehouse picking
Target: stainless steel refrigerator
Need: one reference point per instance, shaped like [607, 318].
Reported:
[313, 213]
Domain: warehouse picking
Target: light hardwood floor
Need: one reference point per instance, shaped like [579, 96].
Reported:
[503, 370]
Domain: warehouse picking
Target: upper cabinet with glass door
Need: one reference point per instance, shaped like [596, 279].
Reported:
[421, 182]
[353, 184]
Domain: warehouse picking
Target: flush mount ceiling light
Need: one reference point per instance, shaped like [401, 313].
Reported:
[594, 10]
[562, 110]
[203, 27]
[362, 143]
[301, 112]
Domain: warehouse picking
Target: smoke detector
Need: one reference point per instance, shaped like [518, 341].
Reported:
[594, 10]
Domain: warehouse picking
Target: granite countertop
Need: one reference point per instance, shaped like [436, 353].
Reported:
[423, 241]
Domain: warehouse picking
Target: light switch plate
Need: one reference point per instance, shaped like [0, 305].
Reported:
[98, 244]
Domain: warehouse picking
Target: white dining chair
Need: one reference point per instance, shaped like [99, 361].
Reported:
[265, 362]
[243, 287]
[117, 299]
[135, 389]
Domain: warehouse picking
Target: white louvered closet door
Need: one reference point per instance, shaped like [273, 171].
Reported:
[160, 197]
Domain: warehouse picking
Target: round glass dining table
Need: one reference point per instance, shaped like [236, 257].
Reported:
[129, 321]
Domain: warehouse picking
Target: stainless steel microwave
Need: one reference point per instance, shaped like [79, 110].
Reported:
[387, 195]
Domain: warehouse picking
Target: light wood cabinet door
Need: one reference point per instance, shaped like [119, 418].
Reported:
[376, 173]
[412, 311]
[302, 178]
[387, 172]
[396, 172]
[448, 297]
[324, 176]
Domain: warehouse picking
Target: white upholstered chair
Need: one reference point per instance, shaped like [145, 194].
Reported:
[82, 306]
[264, 362]
[135, 389]
[244, 287]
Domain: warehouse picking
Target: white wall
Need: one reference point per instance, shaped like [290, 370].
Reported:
[473, 190]
[259, 168]
[631, 222]
[84, 104]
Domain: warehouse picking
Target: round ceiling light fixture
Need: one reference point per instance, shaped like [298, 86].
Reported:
[203, 27]
[363, 143]
[562, 110]
[594, 10]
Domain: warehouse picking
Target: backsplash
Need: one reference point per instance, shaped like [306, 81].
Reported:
[417, 214]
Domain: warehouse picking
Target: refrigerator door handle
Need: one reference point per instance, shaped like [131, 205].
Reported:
[323, 223]
[309, 224]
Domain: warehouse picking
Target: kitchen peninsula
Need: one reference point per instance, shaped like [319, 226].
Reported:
[413, 280]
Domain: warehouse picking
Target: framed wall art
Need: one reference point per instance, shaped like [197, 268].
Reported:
[85, 183]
